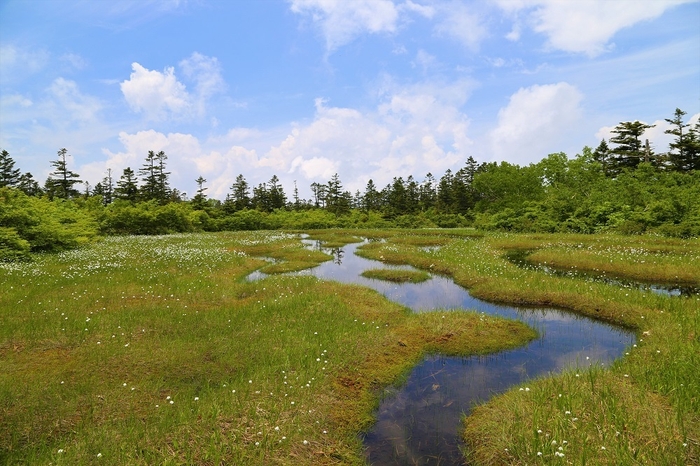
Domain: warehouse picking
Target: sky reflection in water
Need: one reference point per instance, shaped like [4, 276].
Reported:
[419, 423]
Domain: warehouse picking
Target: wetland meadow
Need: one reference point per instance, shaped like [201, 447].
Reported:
[273, 348]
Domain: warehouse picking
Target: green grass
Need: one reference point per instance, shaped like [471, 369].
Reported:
[650, 396]
[397, 276]
[96, 343]
[156, 350]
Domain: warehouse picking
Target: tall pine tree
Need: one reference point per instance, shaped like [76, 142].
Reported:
[630, 150]
[9, 175]
[61, 182]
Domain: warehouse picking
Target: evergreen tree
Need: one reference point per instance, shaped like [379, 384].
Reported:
[678, 154]
[149, 177]
[127, 189]
[163, 180]
[427, 194]
[462, 191]
[200, 198]
[691, 148]
[106, 188]
[357, 200]
[9, 175]
[370, 200]
[261, 198]
[99, 190]
[155, 179]
[239, 197]
[337, 201]
[297, 202]
[412, 195]
[445, 199]
[29, 185]
[629, 151]
[61, 182]
[602, 155]
[277, 198]
[396, 198]
[319, 191]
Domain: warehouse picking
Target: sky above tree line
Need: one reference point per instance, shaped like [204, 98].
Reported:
[303, 89]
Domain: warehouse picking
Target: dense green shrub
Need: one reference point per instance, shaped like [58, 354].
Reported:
[150, 218]
[12, 246]
[46, 225]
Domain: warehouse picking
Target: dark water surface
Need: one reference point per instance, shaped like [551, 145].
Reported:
[419, 423]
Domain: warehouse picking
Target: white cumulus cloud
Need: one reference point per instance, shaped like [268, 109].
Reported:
[535, 122]
[161, 94]
[154, 93]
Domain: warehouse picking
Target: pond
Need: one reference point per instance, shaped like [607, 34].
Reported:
[419, 423]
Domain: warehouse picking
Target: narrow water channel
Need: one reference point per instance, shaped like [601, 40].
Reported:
[519, 257]
[419, 423]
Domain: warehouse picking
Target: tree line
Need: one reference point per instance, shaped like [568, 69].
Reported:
[623, 185]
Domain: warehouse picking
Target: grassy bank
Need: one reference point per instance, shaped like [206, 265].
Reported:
[156, 350]
[644, 410]
[397, 276]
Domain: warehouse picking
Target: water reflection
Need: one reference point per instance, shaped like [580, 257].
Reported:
[419, 423]
[519, 258]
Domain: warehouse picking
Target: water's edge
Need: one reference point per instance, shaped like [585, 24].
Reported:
[419, 423]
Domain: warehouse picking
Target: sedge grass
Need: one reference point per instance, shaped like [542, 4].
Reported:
[156, 350]
[652, 390]
[397, 275]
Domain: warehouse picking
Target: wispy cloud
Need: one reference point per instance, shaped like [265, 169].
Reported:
[342, 21]
[582, 26]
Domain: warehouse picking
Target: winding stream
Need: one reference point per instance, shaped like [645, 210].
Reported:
[419, 423]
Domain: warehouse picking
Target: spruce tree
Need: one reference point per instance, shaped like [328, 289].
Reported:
[9, 175]
[61, 182]
[239, 197]
[261, 198]
[156, 185]
[629, 151]
[370, 199]
[200, 198]
[276, 197]
[29, 185]
[105, 188]
[427, 194]
[602, 155]
[445, 198]
[691, 148]
[127, 189]
[678, 156]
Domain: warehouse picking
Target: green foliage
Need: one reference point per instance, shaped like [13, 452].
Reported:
[150, 218]
[12, 246]
[44, 224]
[507, 186]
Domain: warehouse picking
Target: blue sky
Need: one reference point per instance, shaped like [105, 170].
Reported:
[303, 89]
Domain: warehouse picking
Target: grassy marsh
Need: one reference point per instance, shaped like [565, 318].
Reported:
[143, 350]
[652, 391]
[397, 276]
